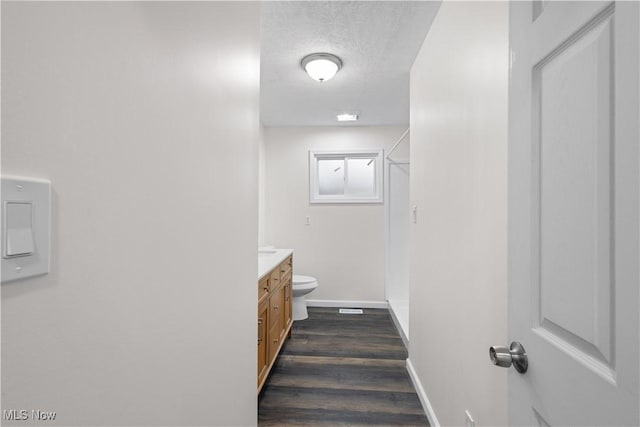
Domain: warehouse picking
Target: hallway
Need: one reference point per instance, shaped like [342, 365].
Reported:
[340, 369]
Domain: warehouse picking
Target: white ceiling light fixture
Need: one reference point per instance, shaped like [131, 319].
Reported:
[321, 66]
[347, 117]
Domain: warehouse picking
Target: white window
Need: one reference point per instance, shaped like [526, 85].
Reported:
[353, 176]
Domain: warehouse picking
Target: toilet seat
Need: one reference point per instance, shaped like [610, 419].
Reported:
[301, 280]
[305, 286]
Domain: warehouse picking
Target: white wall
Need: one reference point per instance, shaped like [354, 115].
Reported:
[344, 245]
[458, 181]
[262, 178]
[145, 117]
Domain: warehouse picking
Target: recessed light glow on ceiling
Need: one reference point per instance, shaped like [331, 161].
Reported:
[321, 66]
[347, 117]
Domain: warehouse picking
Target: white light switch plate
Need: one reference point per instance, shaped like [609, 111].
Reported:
[26, 230]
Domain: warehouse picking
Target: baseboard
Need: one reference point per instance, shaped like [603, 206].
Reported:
[346, 303]
[396, 322]
[422, 395]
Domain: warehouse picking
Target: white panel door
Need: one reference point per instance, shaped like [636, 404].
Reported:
[573, 212]
[397, 250]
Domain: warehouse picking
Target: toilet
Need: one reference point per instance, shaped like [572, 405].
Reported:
[302, 285]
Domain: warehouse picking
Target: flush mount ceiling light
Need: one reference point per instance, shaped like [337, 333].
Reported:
[321, 66]
[347, 117]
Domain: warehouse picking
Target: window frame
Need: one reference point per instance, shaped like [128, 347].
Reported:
[314, 187]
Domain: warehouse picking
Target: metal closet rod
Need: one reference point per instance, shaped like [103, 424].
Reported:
[406, 132]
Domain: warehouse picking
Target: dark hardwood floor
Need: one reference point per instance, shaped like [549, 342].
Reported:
[341, 370]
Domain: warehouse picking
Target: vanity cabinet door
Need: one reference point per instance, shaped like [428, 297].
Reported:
[287, 306]
[263, 344]
[275, 309]
[276, 314]
[274, 342]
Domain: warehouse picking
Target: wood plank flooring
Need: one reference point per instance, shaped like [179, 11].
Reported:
[341, 370]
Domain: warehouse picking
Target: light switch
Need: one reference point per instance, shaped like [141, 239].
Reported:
[25, 222]
[18, 228]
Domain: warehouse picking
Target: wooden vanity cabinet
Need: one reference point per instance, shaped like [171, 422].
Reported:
[274, 316]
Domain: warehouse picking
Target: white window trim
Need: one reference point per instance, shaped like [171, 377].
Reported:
[314, 193]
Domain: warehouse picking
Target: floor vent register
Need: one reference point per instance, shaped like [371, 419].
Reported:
[351, 311]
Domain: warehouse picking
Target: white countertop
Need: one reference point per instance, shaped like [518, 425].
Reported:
[269, 261]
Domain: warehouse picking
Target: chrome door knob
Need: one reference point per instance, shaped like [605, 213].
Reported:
[514, 355]
[500, 356]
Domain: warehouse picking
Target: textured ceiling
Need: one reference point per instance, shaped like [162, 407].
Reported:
[377, 42]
